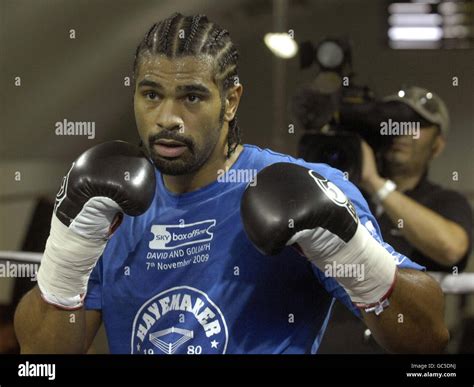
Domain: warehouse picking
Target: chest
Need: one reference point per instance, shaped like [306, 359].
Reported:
[194, 276]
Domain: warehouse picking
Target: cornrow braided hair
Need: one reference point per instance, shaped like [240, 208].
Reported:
[202, 37]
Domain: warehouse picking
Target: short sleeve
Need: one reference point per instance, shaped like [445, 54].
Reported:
[453, 206]
[368, 220]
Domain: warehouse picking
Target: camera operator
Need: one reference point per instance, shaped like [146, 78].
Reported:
[422, 220]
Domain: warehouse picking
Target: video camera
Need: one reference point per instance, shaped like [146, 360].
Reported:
[335, 113]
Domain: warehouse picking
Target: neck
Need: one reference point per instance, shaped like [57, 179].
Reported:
[205, 175]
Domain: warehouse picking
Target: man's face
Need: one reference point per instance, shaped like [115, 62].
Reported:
[178, 111]
[407, 152]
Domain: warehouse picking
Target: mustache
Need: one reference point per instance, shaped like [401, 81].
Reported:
[402, 141]
[153, 138]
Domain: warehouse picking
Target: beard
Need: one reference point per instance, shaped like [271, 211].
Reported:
[395, 165]
[193, 158]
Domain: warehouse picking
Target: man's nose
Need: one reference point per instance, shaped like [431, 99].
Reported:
[403, 139]
[168, 117]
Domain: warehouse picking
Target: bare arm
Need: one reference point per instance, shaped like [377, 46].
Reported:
[435, 236]
[414, 321]
[43, 328]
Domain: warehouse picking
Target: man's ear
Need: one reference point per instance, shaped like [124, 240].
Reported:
[438, 146]
[232, 101]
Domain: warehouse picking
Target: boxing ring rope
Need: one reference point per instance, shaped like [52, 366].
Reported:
[20, 256]
[462, 283]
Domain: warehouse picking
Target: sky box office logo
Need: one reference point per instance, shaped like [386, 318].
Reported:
[168, 237]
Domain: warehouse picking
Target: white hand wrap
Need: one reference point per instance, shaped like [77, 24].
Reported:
[66, 265]
[362, 254]
[71, 253]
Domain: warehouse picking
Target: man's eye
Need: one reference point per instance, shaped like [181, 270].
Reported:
[193, 98]
[151, 95]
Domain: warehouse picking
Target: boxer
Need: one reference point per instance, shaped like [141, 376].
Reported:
[208, 265]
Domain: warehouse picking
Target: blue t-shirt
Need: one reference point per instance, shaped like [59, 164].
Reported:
[184, 278]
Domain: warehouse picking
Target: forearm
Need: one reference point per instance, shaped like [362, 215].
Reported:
[414, 321]
[43, 328]
[438, 238]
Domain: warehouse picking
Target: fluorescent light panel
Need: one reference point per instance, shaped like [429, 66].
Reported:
[415, 33]
[409, 8]
[415, 19]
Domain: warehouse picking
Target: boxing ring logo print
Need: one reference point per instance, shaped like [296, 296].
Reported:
[180, 320]
[166, 237]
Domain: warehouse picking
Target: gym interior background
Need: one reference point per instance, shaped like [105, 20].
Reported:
[70, 60]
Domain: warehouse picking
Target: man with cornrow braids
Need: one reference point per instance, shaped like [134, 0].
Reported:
[223, 247]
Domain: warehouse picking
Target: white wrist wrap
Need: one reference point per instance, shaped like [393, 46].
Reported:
[363, 267]
[66, 265]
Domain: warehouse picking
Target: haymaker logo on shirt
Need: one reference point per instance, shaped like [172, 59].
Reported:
[180, 320]
[172, 236]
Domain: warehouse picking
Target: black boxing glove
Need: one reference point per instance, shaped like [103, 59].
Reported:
[105, 182]
[291, 204]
